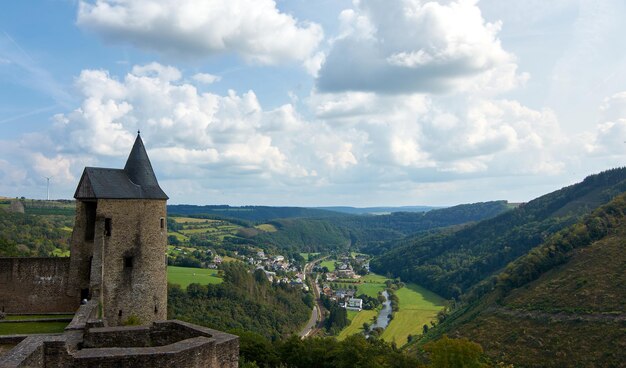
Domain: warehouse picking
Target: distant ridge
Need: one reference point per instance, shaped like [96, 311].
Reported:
[251, 213]
[376, 210]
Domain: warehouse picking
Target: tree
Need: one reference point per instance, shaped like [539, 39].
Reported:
[454, 353]
[366, 326]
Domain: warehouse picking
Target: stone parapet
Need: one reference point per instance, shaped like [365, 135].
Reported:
[163, 344]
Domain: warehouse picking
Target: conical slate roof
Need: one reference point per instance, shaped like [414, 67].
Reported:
[135, 181]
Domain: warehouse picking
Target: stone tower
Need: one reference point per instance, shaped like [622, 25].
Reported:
[119, 241]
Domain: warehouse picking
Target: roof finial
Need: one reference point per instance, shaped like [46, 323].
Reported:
[138, 132]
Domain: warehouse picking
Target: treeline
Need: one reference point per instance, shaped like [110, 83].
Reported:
[305, 235]
[355, 351]
[245, 300]
[251, 213]
[374, 233]
[368, 232]
[450, 263]
[27, 235]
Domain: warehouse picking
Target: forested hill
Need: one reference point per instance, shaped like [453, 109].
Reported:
[560, 305]
[250, 213]
[374, 233]
[376, 210]
[451, 263]
[370, 232]
[26, 235]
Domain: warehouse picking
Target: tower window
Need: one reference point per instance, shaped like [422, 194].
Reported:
[128, 262]
[120, 313]
[162, 223]
[107, 226]
[90, 220]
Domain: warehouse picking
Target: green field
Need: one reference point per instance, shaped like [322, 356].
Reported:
[329, 264]
[370, 289]
[217, 229]
[13, 328]
[356, 326]
[418, 307]
[184, 276]
[372, 277]
[308, 256]
[36, 316]
[268, 228]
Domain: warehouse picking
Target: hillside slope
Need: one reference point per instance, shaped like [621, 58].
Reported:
[561, 305]
[372, 233]
[250, 213]
[452, 263]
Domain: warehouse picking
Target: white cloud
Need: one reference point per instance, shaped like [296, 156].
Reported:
[417, 46]
[230, 145]
[206, 78]
[255, 29]
[609, 139]
[183, 126]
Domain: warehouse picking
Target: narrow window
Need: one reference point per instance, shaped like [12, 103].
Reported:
[107, 226]
[120, 313]
[90, 220]
[162, 223]
[156, 309]
[128, 262]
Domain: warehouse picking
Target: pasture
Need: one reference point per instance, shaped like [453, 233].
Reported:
[418, 307]
[356, 324]
[184, 276]
[328, 264]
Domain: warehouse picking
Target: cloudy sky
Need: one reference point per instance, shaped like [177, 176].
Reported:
[315, 102]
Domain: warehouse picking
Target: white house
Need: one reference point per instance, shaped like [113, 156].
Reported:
[354, 304]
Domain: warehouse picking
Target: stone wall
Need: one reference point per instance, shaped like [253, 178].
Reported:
[35, 285]
[185, 346]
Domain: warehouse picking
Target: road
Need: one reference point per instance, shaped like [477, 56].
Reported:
[317, 317]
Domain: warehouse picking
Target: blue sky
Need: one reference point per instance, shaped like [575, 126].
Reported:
[317, 102]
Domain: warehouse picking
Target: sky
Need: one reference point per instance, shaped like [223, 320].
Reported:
[314, 102]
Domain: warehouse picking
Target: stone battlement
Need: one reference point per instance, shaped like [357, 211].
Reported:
[163, 344]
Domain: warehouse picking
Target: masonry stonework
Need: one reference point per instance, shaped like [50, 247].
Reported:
[35, 285]
[133, 260]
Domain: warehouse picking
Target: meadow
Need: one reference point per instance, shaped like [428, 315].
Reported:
[328, 264]
[14, 328]
[418, 307]
[184, 276]
[356, 325]
[309, 256]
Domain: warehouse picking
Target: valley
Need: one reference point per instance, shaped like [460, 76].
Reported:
[524, 281]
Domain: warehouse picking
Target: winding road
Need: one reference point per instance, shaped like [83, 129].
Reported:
[317, 317]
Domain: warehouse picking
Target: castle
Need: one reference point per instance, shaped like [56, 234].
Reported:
[116, 275]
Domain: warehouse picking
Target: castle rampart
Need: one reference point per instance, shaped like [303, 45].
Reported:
[35, 285]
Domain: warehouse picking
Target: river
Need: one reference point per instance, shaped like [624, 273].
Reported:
[383, 320]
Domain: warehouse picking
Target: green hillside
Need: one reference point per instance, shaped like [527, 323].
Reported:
[250, 213]
[369, 232]
[44, 230]
[450, 263]
[563, 304]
